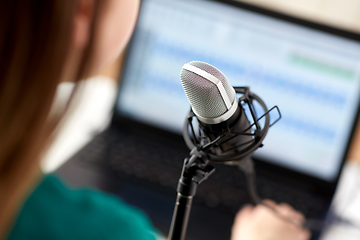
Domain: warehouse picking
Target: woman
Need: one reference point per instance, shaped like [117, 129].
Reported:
[45, 42]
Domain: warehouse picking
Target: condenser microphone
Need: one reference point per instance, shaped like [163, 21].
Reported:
[213, 101]
[224, 134]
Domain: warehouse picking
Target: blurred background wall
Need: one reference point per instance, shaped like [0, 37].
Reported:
[340, 13]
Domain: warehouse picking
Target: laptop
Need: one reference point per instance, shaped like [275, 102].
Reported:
[310, 71]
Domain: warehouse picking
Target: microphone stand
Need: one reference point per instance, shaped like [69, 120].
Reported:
[195, 170]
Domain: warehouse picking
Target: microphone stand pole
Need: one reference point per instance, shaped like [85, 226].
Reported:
[195, 170]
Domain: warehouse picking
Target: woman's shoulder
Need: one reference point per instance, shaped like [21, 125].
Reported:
[54, 211]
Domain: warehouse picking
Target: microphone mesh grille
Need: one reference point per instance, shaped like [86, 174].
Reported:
[203, 95]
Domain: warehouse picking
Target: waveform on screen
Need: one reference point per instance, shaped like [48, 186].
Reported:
[287, 83]
[305, 127]
[169, 84]
[321, 66]
[308, 129]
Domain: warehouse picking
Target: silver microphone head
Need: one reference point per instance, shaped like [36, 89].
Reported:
[212, 98]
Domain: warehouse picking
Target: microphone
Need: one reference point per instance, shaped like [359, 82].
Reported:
[224, 134]
[220, 115]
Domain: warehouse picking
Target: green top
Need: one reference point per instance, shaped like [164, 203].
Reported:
[55, 212]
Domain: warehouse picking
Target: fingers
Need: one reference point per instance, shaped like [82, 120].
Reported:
[240, 220]
[286, 211]
[296, 230]
[289, 212]
[304, 234]
[244, 212]
[270, 203]
[269, 221]
[246, 209]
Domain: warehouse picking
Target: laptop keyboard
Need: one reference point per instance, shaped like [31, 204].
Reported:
[144, 159]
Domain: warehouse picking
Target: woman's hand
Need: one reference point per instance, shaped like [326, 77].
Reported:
[262, 223]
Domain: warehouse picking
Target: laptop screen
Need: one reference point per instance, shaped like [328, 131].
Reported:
[313, 76]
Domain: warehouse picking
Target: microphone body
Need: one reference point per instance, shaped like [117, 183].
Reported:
[238, 122]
